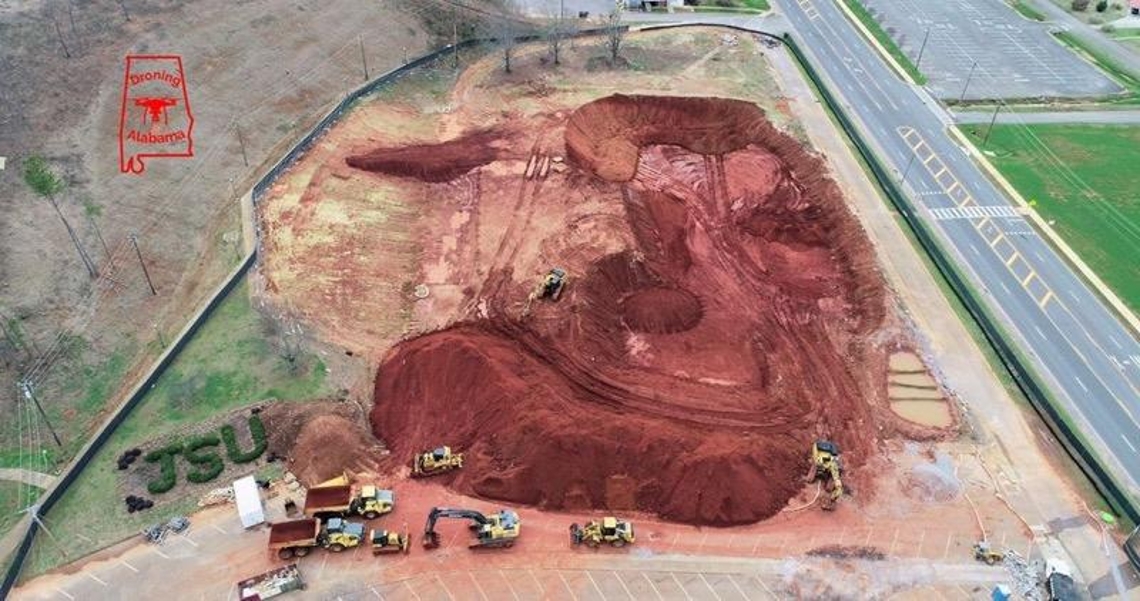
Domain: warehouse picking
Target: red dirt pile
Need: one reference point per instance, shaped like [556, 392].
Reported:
[686, 376]
[431, 162]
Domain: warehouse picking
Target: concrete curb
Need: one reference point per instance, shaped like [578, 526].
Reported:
[898, 69]
[1052, 236]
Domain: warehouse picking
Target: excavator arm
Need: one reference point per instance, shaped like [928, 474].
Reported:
[431, 537]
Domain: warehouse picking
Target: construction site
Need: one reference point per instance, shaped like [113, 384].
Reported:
[659, 288]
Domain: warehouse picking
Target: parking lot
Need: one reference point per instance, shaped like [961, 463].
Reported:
[1016, 58]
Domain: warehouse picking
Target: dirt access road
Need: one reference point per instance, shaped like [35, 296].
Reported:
[668, 561]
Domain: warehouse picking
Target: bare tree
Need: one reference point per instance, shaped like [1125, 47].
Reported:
[615, 34]
[47, 184]
[506, 32]
[555, 33]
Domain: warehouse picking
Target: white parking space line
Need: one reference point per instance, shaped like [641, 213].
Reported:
[623, 586]
[159, 553]
[681, 586]
[711, 589]
[595, 583]
[95, 578]
[64, 593]
[478, 586]
[654, 586]
[567, 585]
[376, 592]
[444, 587]
[218, 528]
[412, 591]
[510, 586]
[129, 566]
[1127, 442]
[541, 589]
[760, 581]
[738, 589]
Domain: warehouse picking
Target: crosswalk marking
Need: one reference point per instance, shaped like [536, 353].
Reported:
[974, 212]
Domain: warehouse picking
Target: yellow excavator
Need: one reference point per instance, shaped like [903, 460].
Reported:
[551, 287]
[825, 465]
[436, 461]
[610, 530]
[495, 530]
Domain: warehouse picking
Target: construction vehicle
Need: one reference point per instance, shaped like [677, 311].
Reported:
[610, 530]
[1059, 581]
[339, 501]
[296, 538]
[270, 584]
[825, 465]
[550, 287]
[389, 541]
[984, 552]
[436, 461]
[495, 530]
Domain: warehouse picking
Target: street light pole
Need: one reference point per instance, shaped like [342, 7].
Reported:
[993, 119]
[26, 387]
[965, 87]
[918, 63]
[135, 242]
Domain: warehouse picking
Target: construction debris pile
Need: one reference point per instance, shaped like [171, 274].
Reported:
[706, 339]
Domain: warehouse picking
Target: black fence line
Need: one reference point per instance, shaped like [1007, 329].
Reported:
[1084, 459]
[296, 152]
[1026, 381]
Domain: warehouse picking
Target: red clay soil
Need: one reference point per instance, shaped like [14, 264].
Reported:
[686, 376]
[431, 162]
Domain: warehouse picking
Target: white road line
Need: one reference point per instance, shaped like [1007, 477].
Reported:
[711, 589]
[129, 566]
[95, 578]
[681, 586]
[1115, 342]
[1081, 384]
[1127, 442]
[64, 593]
[567, 585]
[623, 586]
[653, 586]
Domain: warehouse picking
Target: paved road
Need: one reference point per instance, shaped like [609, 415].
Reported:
[1087, 356]
[1082, 117]
[1015, 57]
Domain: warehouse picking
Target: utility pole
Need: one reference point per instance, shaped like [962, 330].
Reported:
[102, 242]
[135, 242]
[58, 33]
[993, 119]
[26, 387]
[123, 5]
[965, 87]
[241, 142]
[907, 170]
[363, 60]
[455, 44]
[918, 62]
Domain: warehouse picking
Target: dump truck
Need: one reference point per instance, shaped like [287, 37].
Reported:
[269, 584]
[339, 501]
[297, 537]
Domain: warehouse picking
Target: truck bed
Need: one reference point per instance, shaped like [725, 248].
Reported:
[284, 534]
[328, 498]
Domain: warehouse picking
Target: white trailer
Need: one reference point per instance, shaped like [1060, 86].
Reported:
[247, 498]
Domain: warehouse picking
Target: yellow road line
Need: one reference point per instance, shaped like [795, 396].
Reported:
[997, 240]
[1015, 256]
[1045, 299]
[1029, 278]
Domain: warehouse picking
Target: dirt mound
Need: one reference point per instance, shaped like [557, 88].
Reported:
[686, 375]
[847, 552]
[432, 162]
[328, 445]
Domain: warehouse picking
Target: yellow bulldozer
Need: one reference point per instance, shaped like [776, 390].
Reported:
[984, 552]
[825, 465]
[610, 530]
[551, 287]
[436, 461]
[389, 541]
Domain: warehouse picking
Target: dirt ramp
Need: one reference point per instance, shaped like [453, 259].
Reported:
[432, 162]
[532, 436]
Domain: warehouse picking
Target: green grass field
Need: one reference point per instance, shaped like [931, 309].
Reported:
[885, 40]
[1026, 10]
[1102, 226]
[229, 363]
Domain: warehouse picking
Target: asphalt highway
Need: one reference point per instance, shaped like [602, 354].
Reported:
[1089, 358]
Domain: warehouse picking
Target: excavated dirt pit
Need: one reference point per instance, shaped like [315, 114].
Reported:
[719, 318]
